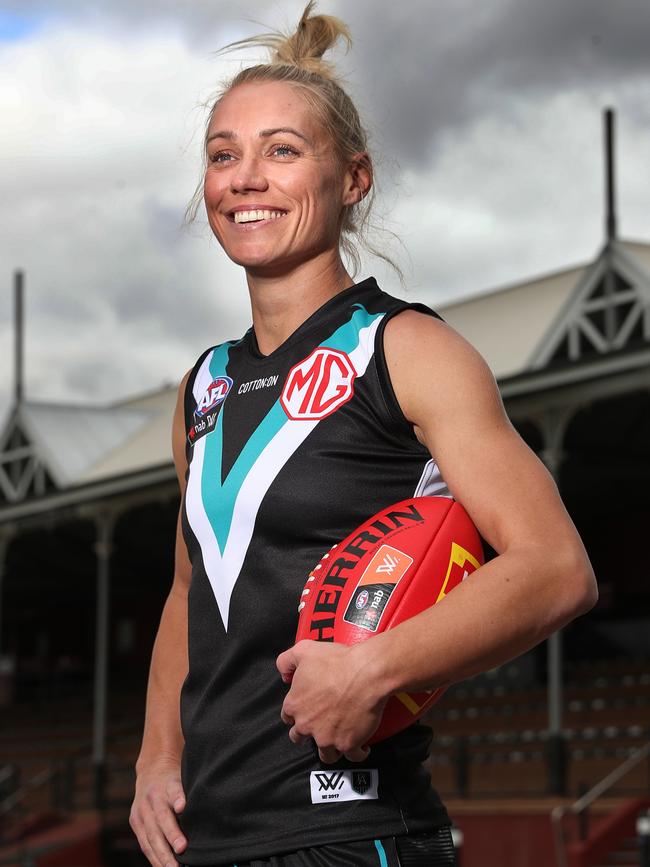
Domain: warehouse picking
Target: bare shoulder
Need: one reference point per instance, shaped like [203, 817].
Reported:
[434, 370]
[448, 392]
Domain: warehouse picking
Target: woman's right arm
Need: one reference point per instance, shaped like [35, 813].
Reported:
[158, 791]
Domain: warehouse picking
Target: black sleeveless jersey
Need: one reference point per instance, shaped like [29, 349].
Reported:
[287, 454]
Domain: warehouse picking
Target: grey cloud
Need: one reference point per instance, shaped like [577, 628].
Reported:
[430, 68]
[208, 24]
[423, 68]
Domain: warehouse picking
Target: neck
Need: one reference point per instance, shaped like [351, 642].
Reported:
[282, 302]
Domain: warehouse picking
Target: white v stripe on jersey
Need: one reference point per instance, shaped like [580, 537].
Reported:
[223, 569]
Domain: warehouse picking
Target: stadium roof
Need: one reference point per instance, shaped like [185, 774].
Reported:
[49, 447]
[568, 321]
[518, 327]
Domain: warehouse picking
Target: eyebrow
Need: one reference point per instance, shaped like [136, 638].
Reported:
[265, 133]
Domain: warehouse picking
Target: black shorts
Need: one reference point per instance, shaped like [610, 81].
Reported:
[435, 849]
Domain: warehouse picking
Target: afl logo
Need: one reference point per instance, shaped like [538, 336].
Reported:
[215, 394]
[362, 599]
[318, 385]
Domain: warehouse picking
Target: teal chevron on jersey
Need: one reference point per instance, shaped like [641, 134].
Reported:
[219, 496]
[346, 338]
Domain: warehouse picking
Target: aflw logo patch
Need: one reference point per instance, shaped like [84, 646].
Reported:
[380, 578]
[331, 786]
[318, 385]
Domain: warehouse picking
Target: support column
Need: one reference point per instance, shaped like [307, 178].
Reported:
[5, 538]
[6, 662]
[104, 522]
[553, 426]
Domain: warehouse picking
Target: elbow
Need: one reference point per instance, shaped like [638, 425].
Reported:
[586, 593]
[578, 582]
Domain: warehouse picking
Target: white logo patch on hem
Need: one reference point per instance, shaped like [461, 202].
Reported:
[328, 787]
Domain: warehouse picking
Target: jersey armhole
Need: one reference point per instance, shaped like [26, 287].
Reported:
[391, 403]
[189, 404]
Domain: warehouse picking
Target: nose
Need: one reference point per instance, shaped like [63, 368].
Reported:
[248, 175]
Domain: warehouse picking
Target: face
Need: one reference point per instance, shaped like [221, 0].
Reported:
[274, 188]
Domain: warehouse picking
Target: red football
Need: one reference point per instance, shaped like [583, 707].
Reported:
[399, 562]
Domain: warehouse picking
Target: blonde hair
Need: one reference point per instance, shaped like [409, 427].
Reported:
[297, 59]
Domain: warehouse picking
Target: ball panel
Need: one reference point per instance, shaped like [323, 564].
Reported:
[399, 562]
[454, 552]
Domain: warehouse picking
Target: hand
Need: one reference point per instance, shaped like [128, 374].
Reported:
[332, 699]
[158, 798]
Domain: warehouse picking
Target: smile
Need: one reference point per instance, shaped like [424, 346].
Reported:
[254, 216]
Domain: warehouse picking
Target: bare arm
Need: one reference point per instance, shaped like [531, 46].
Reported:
[540, 580]
[159, 793]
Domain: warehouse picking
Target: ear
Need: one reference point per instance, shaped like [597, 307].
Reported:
[357, 179]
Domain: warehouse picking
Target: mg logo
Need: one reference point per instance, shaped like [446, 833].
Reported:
[318, 385]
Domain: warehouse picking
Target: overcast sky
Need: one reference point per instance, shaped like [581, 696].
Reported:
[486, 124]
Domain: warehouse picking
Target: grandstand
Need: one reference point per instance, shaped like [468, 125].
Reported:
[88, 504]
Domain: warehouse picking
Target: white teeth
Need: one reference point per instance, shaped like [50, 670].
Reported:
[252, 216]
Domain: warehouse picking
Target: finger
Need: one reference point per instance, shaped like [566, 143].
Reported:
[357, 755]
[286, 664]
[176, 796]
[297, 737]
[157, 840]
[169, 826]
[329, 755]
[143, 841]
[148, 851]
[161, 853]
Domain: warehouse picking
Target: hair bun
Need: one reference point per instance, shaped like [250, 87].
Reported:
[314, 35]
[304, 49]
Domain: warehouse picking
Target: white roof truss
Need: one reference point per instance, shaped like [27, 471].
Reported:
[608, 310]
[22, 472]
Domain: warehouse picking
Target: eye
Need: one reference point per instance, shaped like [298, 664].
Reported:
[285, 150]
[219, 156]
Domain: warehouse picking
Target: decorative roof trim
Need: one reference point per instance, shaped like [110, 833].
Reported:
[572, 320]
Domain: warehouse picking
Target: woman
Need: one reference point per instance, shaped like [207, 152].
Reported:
[329, 408]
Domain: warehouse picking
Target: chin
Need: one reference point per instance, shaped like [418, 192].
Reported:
[263, 261]
[254, 262]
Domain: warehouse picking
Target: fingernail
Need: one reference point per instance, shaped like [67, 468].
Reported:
[177, 844]
[178, 805]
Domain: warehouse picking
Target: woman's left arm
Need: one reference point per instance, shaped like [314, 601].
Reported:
[540, 579]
